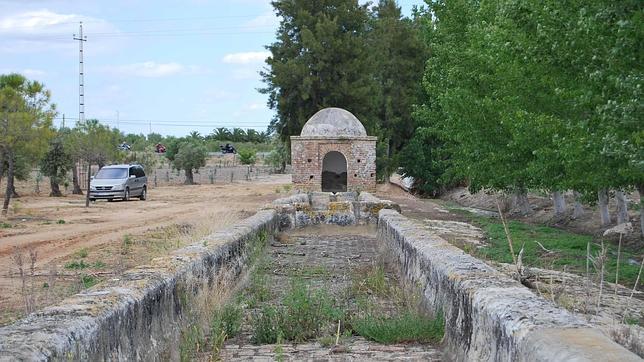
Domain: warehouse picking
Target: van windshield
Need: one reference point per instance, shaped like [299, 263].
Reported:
[111, 173]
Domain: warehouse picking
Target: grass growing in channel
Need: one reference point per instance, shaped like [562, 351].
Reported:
[307, 313]
[402, 328]
[302, 315]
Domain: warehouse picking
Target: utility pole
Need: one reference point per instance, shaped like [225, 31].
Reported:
[63, 120]
[81, 98]
[150, 127]
[81, 75]
[118, 124]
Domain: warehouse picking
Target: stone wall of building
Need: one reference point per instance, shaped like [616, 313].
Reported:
[307, 156]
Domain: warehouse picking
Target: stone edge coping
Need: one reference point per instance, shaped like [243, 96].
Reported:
[55, 329]
[501, 318]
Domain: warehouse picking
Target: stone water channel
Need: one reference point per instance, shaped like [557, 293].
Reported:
[336, 260]
[148, 312]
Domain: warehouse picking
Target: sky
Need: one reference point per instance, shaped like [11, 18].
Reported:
[169, 67]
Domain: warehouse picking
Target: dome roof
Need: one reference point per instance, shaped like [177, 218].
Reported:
[333, 122]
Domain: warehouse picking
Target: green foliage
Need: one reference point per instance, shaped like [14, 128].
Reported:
[303, 313]
[83, 253]
[227, 321]
[408, 327]
[247, 156]
[237, 135]
[192, 341]
[533, 95]
[146, 158]
[88, 281]
[190, 156]
[266, 325]
[320, 59]
[426, 159]
[280, 156]
[338, 53]
[77, 265]
[57, 161]
[568, 249]
[25, 127]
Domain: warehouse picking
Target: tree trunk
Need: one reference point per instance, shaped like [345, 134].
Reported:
[10, 188]
[189, 178]
[89, 179]
[77, 189]
[559, 203]
[602, 196]
[1, 167]
[622, 207]
[640, 190]
[578, 211]
[55, 189]
[522, 203]
[14, 193]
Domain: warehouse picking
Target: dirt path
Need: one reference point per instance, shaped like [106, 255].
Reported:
[57, 229]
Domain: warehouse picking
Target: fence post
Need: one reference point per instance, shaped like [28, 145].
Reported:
[232, 173]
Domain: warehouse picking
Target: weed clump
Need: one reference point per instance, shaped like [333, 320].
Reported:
[303, 314]
[403, 328]
[77, 265]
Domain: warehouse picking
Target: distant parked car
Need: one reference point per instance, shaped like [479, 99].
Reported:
[159, 148]
[228, 148]
[119, 182]
[124, 147]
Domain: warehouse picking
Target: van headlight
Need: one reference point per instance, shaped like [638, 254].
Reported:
[117, 187]
[92, 188]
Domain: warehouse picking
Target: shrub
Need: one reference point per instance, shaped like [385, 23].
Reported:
[266, 325]
[247, 156]
[227, 320]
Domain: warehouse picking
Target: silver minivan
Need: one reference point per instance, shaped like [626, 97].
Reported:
[119, 182]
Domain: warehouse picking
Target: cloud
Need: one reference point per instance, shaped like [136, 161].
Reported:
[151, 69]
[29, 73]
[146, 69]
[268, 19]
[44, 30]
[246, 57]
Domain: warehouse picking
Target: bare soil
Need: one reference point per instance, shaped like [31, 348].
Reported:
[73, 247]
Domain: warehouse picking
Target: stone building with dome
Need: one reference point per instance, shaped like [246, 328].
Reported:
[333, 153]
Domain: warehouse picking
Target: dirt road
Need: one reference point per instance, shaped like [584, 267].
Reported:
[60, 230]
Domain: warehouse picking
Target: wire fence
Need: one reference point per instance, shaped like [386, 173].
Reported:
[216, 173]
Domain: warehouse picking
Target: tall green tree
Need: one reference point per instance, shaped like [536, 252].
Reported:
[398, 53]
[96, 144]
[55, 164]
[320, 59]
[25, 124]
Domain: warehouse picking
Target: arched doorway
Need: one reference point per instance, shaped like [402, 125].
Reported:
[334, 172]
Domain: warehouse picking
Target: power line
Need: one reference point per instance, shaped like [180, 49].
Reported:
[144, 123]
[148, 20]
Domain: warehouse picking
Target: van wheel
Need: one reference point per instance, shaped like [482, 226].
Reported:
[126, 197]
[144, 194]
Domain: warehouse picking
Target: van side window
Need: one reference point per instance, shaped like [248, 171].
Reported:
[140, 172]
[132, 172]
